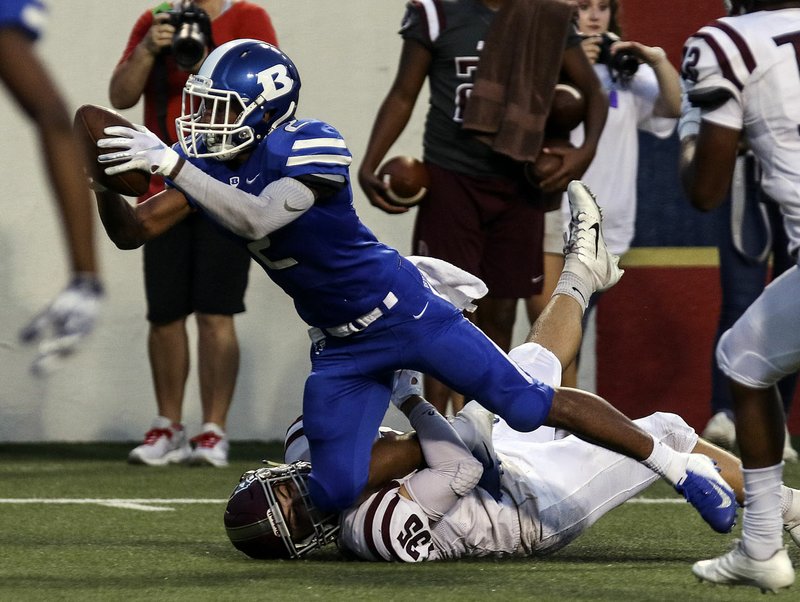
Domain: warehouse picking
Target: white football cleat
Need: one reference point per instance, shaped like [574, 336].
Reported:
[210, 447]
[737, 568]
[720, 430]
[405, 384]
[165, 443]
[585, 252]
[709, 493]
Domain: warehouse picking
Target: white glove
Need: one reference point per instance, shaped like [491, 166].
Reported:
[405, 384]
[65, 322]
[144, 151]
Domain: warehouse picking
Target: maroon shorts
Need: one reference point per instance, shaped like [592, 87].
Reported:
[489, 227]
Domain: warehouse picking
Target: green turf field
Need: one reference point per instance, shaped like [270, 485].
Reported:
[156, 534]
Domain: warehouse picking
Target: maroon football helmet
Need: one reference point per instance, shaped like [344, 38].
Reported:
[270, 514]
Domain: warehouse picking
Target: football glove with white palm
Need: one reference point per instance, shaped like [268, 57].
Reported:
[143, 150]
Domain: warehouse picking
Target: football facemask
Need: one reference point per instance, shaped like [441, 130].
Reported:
[244, 89]
[213, 121]
[270, 514]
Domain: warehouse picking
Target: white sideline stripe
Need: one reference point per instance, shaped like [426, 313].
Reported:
[656, 500]
[142, 507]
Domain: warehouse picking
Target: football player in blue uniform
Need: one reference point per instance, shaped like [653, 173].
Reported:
[73, 313]
[282, 186]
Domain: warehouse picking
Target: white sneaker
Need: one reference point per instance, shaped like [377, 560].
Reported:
[721, 431]
[210, 447]
[585, 243]
[406, 383]
[737, 568]
[165, 443]
[789, 452]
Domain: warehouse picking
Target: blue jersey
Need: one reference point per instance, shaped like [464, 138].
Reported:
[27, 15]
[329, 262]
[337, 272]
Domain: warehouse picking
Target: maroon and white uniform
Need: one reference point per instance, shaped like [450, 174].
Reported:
[744, 73]
[552, 492]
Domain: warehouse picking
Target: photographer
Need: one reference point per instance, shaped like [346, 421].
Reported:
[643, 94]
[194, 268]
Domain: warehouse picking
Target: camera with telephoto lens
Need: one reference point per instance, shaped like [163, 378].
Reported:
[192, 33]
[623, 64]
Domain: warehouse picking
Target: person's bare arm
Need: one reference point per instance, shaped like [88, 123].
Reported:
[392, 117]
[707, 162]
[392, 459]
[668, 103]
[130, 226]
[575, 161]
[130, 77]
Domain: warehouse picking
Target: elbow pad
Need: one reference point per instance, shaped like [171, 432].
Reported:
[466, 477]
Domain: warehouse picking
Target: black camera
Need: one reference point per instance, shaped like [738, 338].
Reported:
[623, 64]
[192, 34]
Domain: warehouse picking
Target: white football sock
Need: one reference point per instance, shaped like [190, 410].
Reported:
[762, 523]
[572, 284]
[667, 462]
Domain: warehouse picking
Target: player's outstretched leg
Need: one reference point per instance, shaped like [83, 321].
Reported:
[708, 492]
[737, 568]
[585, 252]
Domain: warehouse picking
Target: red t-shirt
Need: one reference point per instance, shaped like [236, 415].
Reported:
[242, 20]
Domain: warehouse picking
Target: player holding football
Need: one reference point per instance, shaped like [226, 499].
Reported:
[282, 185]
[743, 80]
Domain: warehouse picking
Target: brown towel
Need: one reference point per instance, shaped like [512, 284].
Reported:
[516, 76]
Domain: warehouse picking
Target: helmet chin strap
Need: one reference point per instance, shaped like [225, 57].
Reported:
[289, 112]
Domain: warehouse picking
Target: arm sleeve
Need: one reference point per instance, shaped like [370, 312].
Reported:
[452, 470]
[247, 215]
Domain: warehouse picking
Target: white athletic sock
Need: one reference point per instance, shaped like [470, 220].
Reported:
[572, 284]
[762, 523]
[667, 462]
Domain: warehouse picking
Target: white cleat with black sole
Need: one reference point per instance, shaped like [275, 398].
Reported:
[585, 252]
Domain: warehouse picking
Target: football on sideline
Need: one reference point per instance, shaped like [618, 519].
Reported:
[89, 123]
[407, 180]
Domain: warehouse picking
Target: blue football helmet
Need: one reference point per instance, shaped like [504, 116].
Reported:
[244, 89]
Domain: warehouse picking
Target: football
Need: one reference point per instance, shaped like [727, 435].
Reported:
[89, 123]
[407, 180]
[545, 165]
[567, 110]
